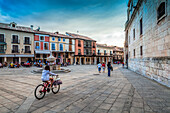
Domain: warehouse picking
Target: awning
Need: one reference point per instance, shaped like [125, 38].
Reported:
[42, 51]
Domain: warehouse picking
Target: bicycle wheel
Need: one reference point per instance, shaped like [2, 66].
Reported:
[55, 88]
[40, 91]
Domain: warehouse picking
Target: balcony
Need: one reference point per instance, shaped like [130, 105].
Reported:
[37, 47]
[79, 53]
[105, 53]
[99, 53]
[15, 51]
[2, 50]
[87, 46]
[27, 51]
[2, 41]
[27, 42]
[15, 41]
[111, 54]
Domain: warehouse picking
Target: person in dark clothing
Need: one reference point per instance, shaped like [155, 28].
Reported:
[109, 67]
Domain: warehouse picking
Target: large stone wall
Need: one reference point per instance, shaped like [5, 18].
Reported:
[156, 68]
[155, 41]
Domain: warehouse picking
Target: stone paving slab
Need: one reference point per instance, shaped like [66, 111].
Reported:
[84, 90]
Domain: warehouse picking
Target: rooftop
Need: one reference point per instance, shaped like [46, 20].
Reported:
[15, 28]
[79, 36]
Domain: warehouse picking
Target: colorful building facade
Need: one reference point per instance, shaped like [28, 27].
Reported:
[104, 53]
[85, 49]
[16, 43]
[62, 47]
[41, 46]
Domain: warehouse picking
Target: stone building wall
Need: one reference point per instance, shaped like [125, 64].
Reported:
[155, 41]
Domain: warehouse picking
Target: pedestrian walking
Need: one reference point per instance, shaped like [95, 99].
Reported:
[103, 67]
[99, 67]
[109, 67]
[123, 64]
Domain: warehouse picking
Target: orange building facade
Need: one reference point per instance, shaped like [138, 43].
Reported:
[85, 49]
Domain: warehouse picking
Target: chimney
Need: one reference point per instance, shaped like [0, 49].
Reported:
[56, 32]
[31, 27]
[38, 29]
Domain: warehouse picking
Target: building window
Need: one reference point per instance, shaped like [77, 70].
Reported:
[93, 52]
[45, 46]
[27, 49]
[61, 47]
[2, 38]
[134, 53]
[79, 51]
[2, 50]
[161, 10]
[63, 39]
[59, 39]
[42, 38]
[59, 56]
[94, 45]
[13, 25]
[105, 52]
[98, 52]
[79, 43]
[15, 39]
[27, 40]
[141, 27]
[37, 45]
[141, 50]
[15, 49]
[53, 47]
[53, 38]
[110, 52]
[133, 34]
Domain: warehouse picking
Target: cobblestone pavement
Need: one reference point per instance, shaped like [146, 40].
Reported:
[84, 91]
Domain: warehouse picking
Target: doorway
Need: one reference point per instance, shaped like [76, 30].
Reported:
[16, 60]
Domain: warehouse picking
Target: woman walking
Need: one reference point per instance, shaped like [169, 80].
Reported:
[103, 66]
[99, 67]
[109, 67]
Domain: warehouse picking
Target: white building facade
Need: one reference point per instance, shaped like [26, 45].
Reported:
[147, 39]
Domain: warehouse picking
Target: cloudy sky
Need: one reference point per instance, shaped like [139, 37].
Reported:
[102, 20]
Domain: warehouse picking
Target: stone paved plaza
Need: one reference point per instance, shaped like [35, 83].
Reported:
[84, 90]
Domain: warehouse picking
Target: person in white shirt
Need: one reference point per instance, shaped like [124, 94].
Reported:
[46, 75]
[99, 67]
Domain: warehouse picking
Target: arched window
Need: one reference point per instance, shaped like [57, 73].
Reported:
[161, 10]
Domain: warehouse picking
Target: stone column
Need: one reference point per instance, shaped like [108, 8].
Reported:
[90, 60]
[75, 59]
[5, 59]
[102, 59]
[99, 59]
[94, 60]
[71, 61]
[19, 60]
[80, 60]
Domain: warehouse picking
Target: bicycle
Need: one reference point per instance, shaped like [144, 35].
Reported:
[41, 89]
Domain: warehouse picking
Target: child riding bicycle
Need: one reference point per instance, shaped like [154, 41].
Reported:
[46, 75]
